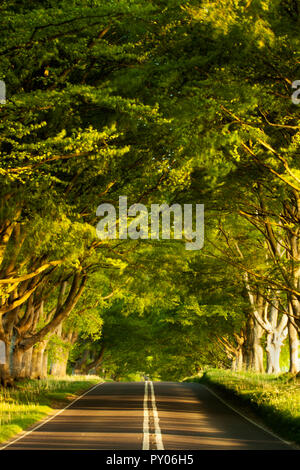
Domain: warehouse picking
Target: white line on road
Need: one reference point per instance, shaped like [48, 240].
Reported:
[248, 419]
[146, 420]
[159, 442]
[51, 417]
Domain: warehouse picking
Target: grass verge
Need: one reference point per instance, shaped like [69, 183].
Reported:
[32, 400]
[272, 400]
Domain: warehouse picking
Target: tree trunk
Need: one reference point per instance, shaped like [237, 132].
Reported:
[294, 348]
[17, 366]
[237, 363]
[97, 362]
[257, 353]
[37, 363]
[240, 360]
[45, 364]
[27, 360]
[257, 302]
[59, 365]
[81, 362]
[276, 335]
[273, 350]
[5, 377]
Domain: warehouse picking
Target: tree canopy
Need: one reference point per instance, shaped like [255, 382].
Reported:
[164, 102]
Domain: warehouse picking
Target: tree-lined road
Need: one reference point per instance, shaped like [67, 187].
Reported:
[159, 415]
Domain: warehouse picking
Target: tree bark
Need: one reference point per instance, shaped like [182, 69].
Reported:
[59, 365]
[98, 361]
[61, 313]
[80, 363]
[17, 369]
[276, 334]
[27, 360]
[294, 348]
[5, 376]
[37, 364]
[256, 349]
[273, 350]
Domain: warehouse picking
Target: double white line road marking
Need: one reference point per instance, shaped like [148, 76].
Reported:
[146, 427]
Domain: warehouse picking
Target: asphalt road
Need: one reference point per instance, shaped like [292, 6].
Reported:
[138, 415]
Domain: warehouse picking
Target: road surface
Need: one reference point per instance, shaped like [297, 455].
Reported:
[146, 415]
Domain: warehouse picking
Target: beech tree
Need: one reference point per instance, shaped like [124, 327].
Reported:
[66, 143]
[166, 103]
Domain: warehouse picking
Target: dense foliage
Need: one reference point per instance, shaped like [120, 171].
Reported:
[163, 102]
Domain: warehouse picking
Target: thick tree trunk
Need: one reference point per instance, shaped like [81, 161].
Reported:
[257, 302]
[240, 360]
[273, 350]
[28, 339]
[247, 348]
[97, 362]
[5, 375]
[62, 311]
[59, 365]
[17, 366]
[45, 364]
[257, 353]
[294, 348]
[37, 363]
[27, 360]
[276, 335]
[81, 362]
[34, 372]
[237, 363]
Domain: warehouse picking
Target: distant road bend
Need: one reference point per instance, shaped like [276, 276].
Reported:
[149, 416]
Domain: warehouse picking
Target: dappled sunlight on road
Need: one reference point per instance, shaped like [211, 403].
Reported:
[111, 416]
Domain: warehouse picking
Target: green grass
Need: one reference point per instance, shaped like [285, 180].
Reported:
[32, 400]
[273, 398]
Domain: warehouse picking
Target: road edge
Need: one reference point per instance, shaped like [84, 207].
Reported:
[38, 424]
[242, 409]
